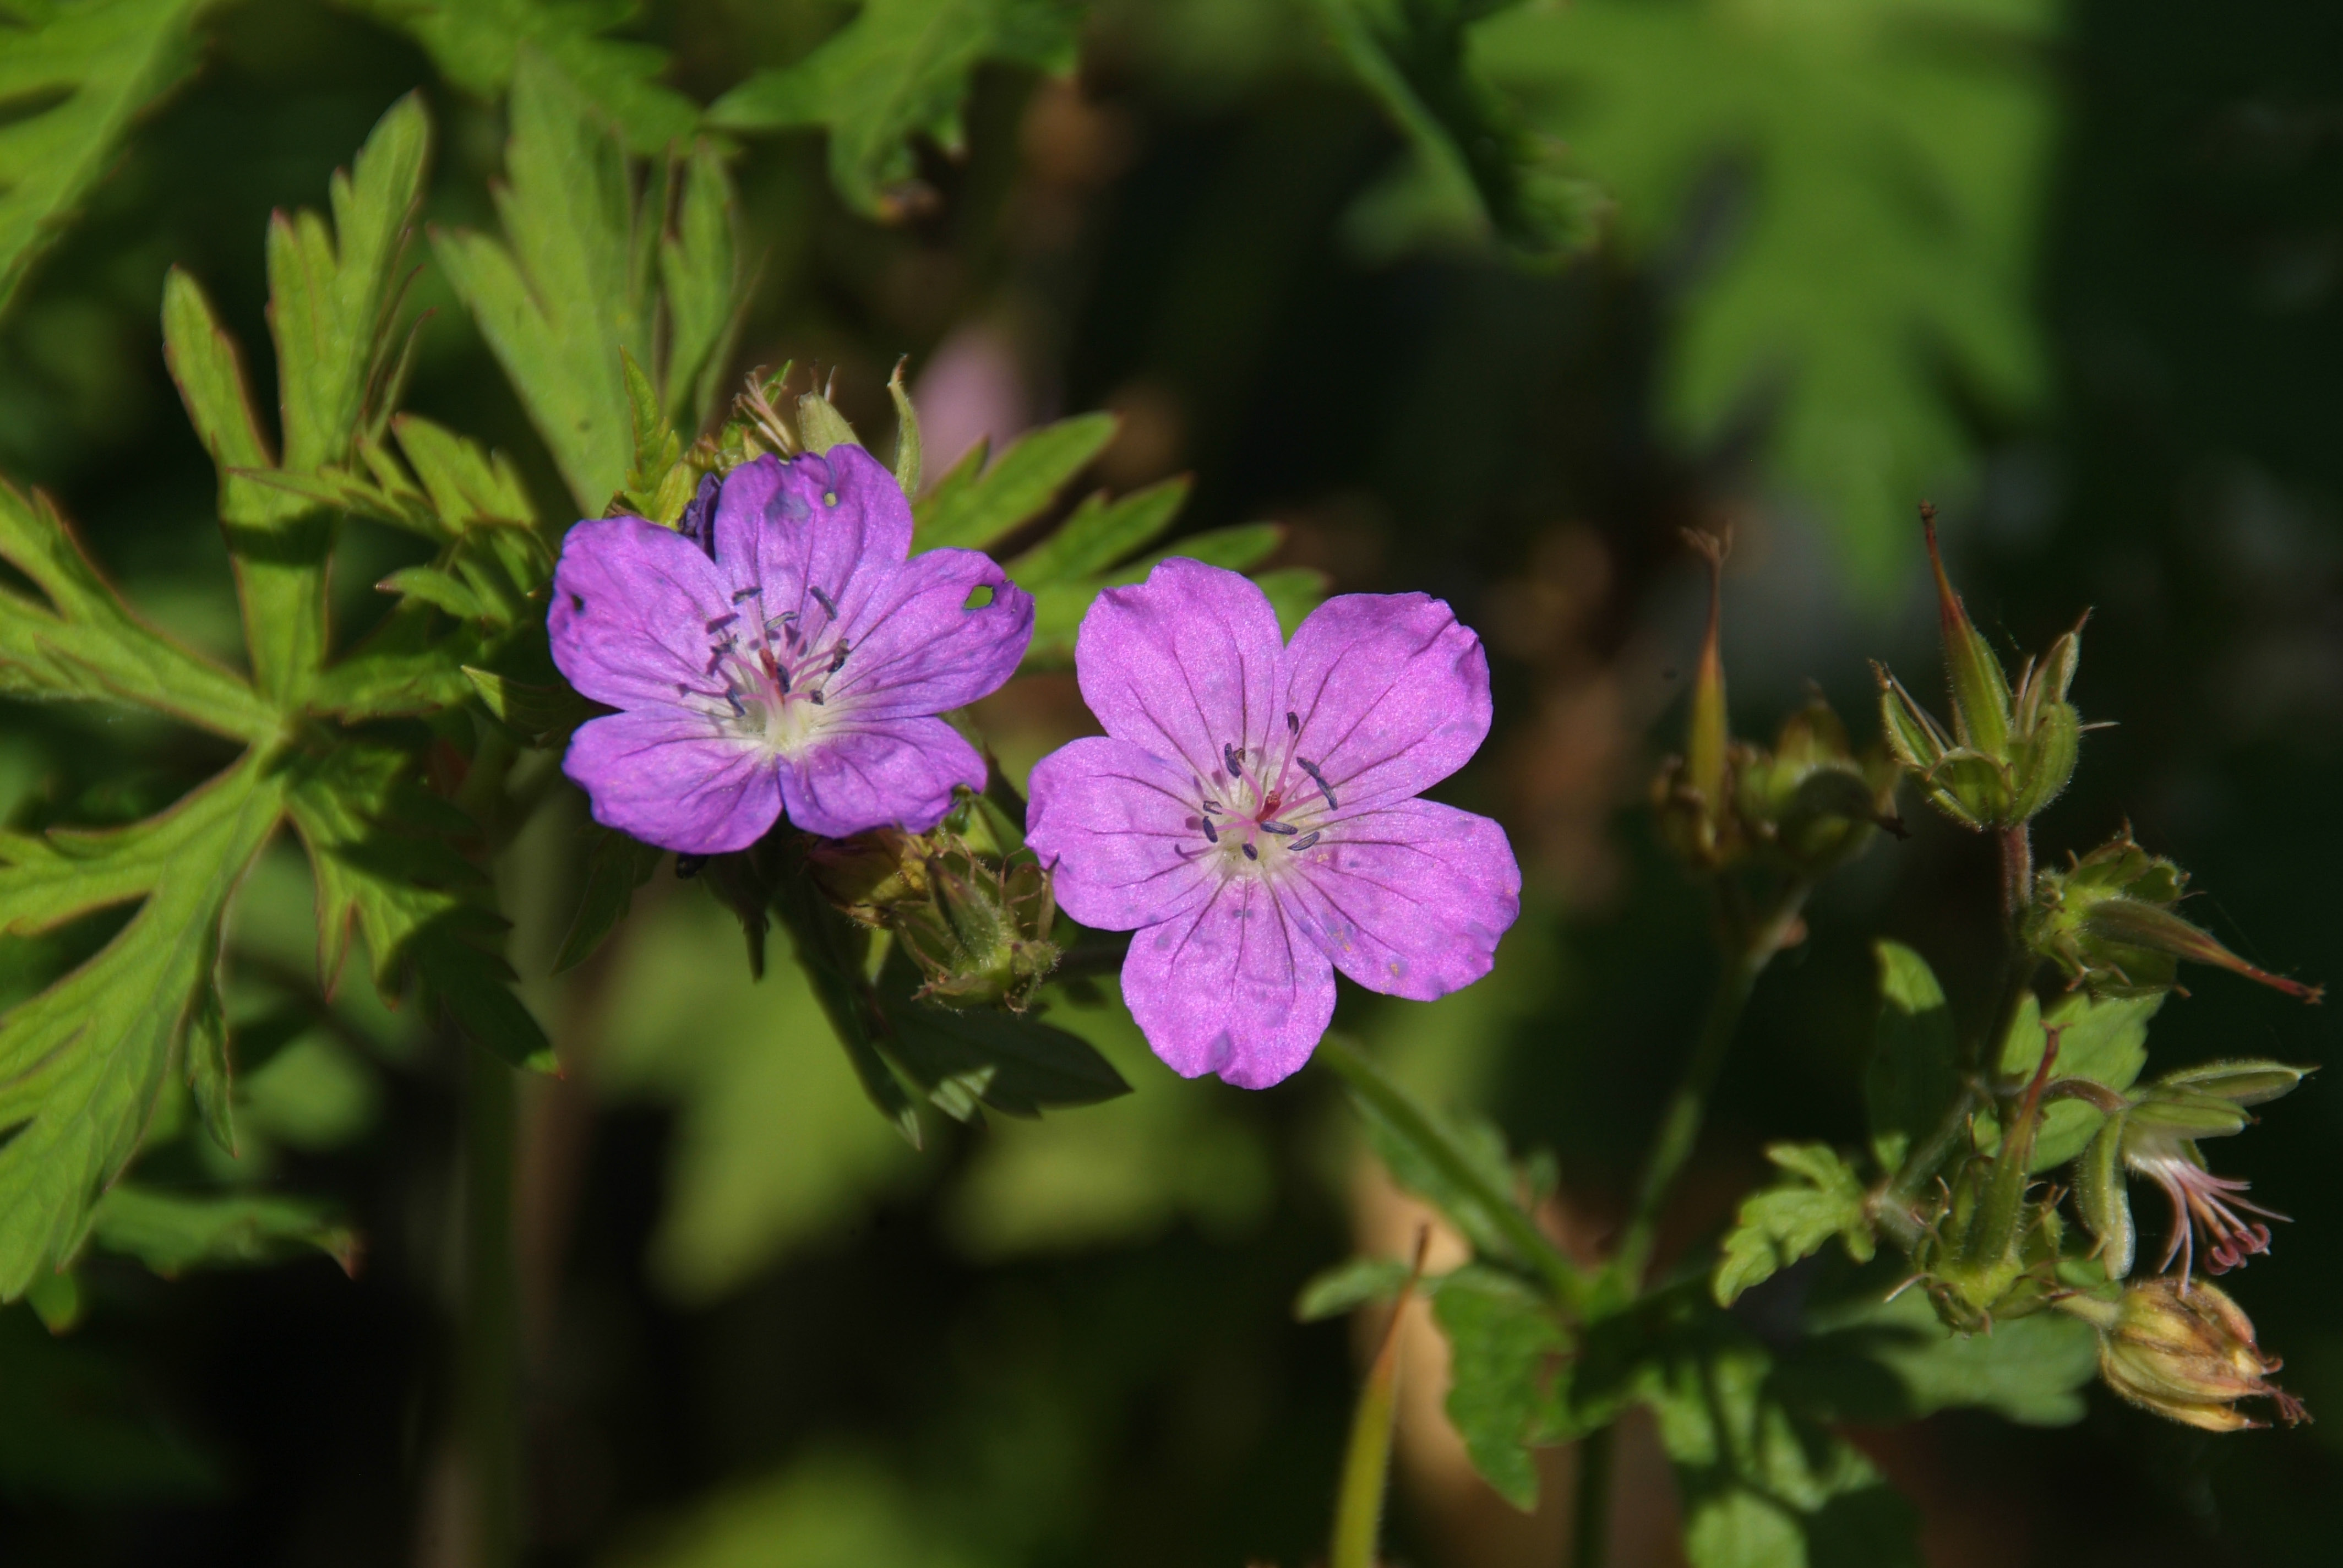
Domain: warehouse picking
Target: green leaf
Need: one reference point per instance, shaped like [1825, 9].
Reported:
[540, 715]
[86, 645]
[1915, 1068]
[74, 80]
[1503, 1396]
[1102, 534]
[1015, 1064]
[907, 433]
[573, 289]
[172, 1232]
[82, 1062]
[1893, 156]
[1475, 168]
[2030, 1370]
[1348, 1286]
[2102, 1040]
[1763, 1486]
[899, 69]
[1791, 1220]
[615, 867]
[382, 862]
[331, 303]
[480, 44]
[1457, 1164]
[974, 506]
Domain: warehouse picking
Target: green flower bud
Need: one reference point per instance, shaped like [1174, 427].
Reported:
[1992, 1251]
[2009, 754]
[2185, 1351]
[1692, 795]
[1811, 800]
[974, 918]
[2108, 921]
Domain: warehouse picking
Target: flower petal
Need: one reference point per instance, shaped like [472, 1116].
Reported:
[1119, 829]
[827, 521]
[869, 775]
[668, 778]
[1393, 695]
[1231, 988]
[1182, 664]
[631, 604]
[1408, 899]
[916, 646]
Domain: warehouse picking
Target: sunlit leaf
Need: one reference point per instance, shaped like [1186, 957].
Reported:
[899, 69]
[1504, 1343]
[172, 1232]
[1790, 1219]
[976, 504]
[1915, 1068]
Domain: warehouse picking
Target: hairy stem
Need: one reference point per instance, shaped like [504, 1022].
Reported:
[1589, 1517]
[487, 1353]
[1688, 1106]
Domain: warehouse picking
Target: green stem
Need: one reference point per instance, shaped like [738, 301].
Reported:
[1589, 1520]
[488, 1354]
[1366, 1463]
[1688, 1106]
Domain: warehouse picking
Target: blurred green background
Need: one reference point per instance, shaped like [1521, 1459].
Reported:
[2072, 270]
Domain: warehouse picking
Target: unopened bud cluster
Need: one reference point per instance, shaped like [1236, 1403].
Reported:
[1808, 803]
[966, 902]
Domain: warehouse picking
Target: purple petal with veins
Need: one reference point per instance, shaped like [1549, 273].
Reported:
[1251, 812]
[788, 653]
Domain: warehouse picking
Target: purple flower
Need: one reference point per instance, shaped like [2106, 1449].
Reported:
[789, 657]
[1251, 812]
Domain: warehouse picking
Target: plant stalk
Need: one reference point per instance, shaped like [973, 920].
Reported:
[1688, 1106]
[488, 1351]
[1590, 1515]
[1367, 1462]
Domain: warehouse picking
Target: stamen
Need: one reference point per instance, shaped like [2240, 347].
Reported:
[840, 662]
[733, 697]
[1228, 756]
[739, 594]
[1216, 806]
[823, 599]
[1320, 780]
[1304, 841]
[1251, 853]
[721, 621]
[1211, 833]
[817, 697]
[1294, 724]
[1278, 828]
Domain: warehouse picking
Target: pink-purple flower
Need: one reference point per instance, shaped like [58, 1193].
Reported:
[786, 653]
[1251, 812]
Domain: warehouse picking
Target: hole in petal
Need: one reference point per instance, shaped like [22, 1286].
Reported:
[979, 596]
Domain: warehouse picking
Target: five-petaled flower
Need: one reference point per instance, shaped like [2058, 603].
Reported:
[789, 655]
[1251, 812]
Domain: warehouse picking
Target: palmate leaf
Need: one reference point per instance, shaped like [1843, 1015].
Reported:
[171, 1233]
[1894, 156]
[1505, 1394]
[899, 69]
[1778, 1225]
[586, 272]
[478, 45]
[72, 78]
[82, 1062]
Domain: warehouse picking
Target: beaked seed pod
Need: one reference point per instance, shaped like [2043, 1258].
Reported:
[2009, 753]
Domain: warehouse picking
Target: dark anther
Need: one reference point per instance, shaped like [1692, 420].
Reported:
[1214, 806]
[688, 866]
[721, 621]
[739, 594]
[1251, 853]
[578, 603]
[1294, 724]
[1228, 756]
[1304, 841]
[822, 599]
[817, 697]
[733, 697]
[1211, 832]
[1278, 828]
[1320, 780]
[714, 659]
[840, 662]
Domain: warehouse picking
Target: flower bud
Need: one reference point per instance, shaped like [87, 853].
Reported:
[2009, 754]
[1991, 1253]
[2108, 921]
[2185, 1351]
[975, 921]
[1810, 800]
[1692, 796]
